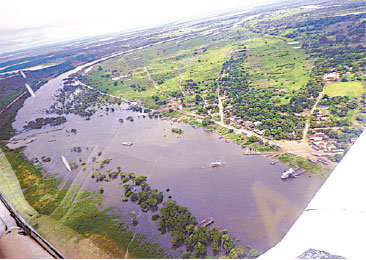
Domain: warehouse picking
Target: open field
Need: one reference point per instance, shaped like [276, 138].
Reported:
[350, 89]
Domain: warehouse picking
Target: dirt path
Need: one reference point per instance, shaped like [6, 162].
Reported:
[180, 84]
[156, 87]
[221, 107]
[307, 123]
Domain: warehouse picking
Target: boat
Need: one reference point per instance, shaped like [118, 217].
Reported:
[250, 151]
[217, 164]
[52, 140]
[273, 162]
[127, 143]
[311, 160]
[206, 222]
[287, 174]
[297, 173]
[322, 161]
[31, 140]
[66, 163]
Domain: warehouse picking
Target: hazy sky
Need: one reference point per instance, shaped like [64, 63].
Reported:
[25, 23]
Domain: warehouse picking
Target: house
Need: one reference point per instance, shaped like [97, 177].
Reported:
[320, 144]
[334, 76]
[317, 136]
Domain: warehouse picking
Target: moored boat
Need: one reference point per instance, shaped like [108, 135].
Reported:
[206, 222]
[311, 160]
[31, 140]
[287, 174]
[127, 143]
[273, 162]
[217, 164]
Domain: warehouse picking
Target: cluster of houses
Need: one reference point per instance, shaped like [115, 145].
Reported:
[323, 113]
[319, 143]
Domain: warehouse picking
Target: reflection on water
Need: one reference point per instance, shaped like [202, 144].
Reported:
[246, 196]
[274, 208]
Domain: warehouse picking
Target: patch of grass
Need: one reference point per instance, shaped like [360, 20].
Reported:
[274, 63]
[41, 193]
[350, 89]
[7, 100]
[310, 167]
[74, 208]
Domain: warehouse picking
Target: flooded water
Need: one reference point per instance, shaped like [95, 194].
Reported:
[246, 196]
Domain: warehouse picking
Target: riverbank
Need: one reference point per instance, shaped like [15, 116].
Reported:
[88, 220]
[170, 161]
[38, 201]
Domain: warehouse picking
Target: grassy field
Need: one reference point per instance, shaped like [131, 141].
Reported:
[272, 62]
[170, 66]
[351, 89]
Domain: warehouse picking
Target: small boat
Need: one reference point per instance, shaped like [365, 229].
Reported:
[297, 173]
[205, 222]
[217, 164]
[127, 143]
[31, 140]
[273, 162]
[52, 140]
[66, 163]
[323, 161]
[287, 174]
[311, 160]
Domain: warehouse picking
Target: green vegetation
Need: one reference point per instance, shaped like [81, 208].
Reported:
[77, 209]
[310, 167]
[177, 130]
[197, 239]
[350, 89]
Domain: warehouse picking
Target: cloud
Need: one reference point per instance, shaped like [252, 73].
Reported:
[68, 19]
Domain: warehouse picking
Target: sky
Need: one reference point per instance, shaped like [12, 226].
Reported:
[27, 23]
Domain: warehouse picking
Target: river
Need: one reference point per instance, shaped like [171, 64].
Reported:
[246, 196]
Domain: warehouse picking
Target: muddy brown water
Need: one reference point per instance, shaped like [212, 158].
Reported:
[246, 196]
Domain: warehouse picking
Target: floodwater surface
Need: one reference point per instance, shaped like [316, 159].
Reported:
[246, 196]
